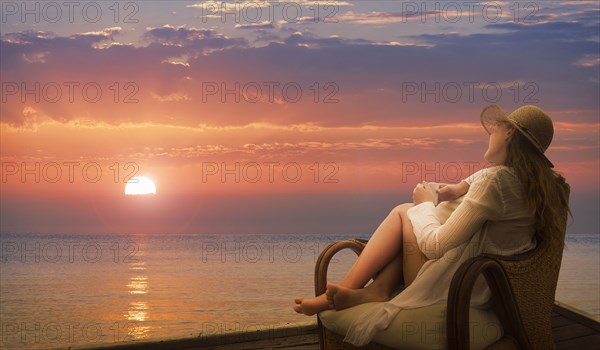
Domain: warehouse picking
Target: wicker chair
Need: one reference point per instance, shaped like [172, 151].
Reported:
[522, 286]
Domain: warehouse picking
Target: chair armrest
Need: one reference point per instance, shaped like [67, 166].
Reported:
[327, 254]
[517, 257]
[459, 299]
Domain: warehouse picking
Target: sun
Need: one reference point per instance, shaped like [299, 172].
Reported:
[140, 185]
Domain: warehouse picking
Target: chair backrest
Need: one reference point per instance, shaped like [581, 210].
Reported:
[533, 281]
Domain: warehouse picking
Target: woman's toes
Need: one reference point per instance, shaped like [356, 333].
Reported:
[311, 306]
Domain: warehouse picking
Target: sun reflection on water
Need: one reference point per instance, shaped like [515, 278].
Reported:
[137, 312]
[138, 285]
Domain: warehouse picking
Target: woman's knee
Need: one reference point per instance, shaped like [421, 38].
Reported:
[402, 208]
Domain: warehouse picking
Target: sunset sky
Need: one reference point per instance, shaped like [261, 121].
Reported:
[278, 117]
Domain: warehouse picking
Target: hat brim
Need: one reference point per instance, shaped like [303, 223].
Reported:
[493, 114]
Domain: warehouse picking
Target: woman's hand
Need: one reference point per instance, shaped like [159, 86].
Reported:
[422, 193]
[448, 192]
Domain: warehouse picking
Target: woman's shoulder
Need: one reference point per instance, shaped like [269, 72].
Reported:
[496, 178]
[496, 173]
[495, 184]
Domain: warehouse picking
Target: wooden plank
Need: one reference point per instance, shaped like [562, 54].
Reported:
[560, 321]
[573, 330]
[300, 342]
[577, 315]
[306, 347]
[589, 342]
[297, 335]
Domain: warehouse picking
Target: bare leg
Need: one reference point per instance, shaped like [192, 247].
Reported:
[381, 251]
[413, 258]
[382, 248]
[381, 289]
[404, 266]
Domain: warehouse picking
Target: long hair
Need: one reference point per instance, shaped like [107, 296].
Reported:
[545, 191]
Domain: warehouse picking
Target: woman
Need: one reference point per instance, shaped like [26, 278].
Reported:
[506, 209]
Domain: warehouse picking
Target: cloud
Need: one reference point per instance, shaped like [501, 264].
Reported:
[190, 38]
[36, 57]
[232, 5]
[263, 35]
[378, 18]
[228, 5]
[261, 25]
[177, 35]
[175, 97]
[190, 76]
[107, 33]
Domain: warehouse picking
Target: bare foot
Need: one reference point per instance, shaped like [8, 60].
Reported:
[344, 298]
[312, 306]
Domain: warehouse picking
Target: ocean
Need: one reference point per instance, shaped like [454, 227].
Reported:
[60, 291]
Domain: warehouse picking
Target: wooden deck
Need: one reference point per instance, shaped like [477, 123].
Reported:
[572, 330]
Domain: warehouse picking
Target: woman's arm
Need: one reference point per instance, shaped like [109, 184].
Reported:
[450, 192]
[483, 203]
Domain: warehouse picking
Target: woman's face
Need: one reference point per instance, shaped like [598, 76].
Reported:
[500, 134]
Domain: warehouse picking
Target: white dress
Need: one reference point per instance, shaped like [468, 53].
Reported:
[492, 218]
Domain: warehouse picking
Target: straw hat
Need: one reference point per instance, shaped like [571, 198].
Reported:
[531, 121]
